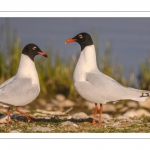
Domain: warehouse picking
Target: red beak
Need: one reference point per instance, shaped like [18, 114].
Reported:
[43, 54]
[70, 40]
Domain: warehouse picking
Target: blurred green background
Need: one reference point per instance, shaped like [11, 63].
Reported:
[56, 72]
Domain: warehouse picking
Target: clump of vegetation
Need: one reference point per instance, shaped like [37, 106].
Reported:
[144, 74]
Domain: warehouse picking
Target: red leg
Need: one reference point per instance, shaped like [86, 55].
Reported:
[29, 117]
[100, 115]
[95, 112]
[8, 113]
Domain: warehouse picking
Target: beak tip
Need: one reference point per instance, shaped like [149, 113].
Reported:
[43, 54]
[70, 40]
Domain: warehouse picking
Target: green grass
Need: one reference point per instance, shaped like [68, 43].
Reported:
[83, 127]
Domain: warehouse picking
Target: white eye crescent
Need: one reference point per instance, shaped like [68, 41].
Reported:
[80, 36]
[34, 48]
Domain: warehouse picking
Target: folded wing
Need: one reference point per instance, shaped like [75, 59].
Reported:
[18, 92]
[112, 90]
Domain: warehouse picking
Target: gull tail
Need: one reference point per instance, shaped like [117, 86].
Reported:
[140, 95]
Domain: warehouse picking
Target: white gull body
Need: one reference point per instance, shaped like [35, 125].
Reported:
[96, 87]
[22, 88]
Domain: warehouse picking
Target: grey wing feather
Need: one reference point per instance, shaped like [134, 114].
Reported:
[18, 92]
[112, 90]
[7, 81]
[90, 92]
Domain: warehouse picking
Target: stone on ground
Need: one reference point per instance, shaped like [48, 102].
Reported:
[40, 129]
[69, 123]
[79, 115]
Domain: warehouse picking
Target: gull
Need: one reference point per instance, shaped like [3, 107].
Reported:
[24, 87]
[95, 86]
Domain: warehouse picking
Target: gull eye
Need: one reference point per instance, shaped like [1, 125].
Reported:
[80, 36]
[34, 48]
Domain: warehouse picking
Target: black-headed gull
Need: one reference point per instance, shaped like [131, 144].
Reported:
[95, 86]
[24, 87]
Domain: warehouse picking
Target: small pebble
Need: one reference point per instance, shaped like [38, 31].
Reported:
[124, 118]
[89, 105]
[79, 115]
[42, 102]
[132, 104]
[69, 123]
[69, 117]
[14, 131]
[119, 106]
[60, 97]
[47, 117]
[145, 104]
[106, 116]
[41, 129]
[136, 113]
[39, 114]
[116, 124]
[124, 109]
[130, 113]
[69, 103]
[109, 108]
